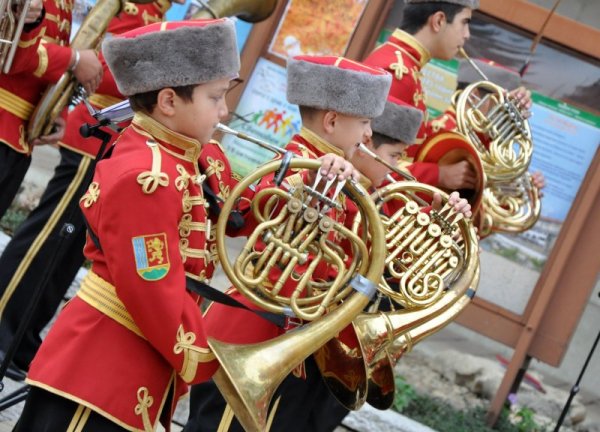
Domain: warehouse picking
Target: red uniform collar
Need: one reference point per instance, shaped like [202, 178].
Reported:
[411, 46]
[175, 143]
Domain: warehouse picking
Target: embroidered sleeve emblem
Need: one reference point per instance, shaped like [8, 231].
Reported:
[151, 256]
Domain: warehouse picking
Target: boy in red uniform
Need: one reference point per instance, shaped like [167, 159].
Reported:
[429, 29]
[121, 352]
[42, 56]
[337, 99]
[38, 239]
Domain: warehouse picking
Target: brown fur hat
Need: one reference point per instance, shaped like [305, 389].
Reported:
[399, 121]
[172, 54]
[337, 84]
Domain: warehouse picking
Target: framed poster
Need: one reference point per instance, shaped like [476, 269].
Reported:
[316, 28]
[262, 112]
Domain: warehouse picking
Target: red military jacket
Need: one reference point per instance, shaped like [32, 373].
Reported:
[404, 57]
[236, 325]
[41, 58]
[132, 16]
[134, 332]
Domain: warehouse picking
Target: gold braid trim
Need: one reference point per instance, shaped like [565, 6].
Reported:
[103, 100]
[151, 180]
[145, 401]
[102, 296]
[42, 60]
[15, 105]
[192, 354]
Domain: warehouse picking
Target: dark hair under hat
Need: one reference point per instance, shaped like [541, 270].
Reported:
[473, 4]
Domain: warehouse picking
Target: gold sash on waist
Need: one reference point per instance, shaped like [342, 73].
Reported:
[102, 296]
[15, 105]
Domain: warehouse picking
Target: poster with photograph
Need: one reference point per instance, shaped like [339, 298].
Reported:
[317, 28]
[565, 140]
[263, 112]
[439, 82]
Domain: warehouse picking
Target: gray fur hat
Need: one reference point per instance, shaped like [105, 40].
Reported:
[337, 84]
[172, 54]
[473, 4]
[500, 75]
[399, 121]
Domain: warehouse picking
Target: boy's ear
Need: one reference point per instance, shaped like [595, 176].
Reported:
[165, 101]
[329, 120]
[437, 21]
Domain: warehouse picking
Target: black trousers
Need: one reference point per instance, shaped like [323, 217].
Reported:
[24, 262]
[305, 405]
[47, 412]
[13, 167]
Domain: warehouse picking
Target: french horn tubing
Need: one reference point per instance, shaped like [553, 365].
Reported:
[11, 27]
[495, 126]
[292, 238]
[434, 264]
[68, 91]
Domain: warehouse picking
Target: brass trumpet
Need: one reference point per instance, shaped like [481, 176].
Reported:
[11, 27]
[292, 238]
[435, 263]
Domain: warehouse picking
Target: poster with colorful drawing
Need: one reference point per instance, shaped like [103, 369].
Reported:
[317, 28]
[263, 112]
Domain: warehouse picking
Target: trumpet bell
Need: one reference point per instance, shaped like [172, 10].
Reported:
[251, 11]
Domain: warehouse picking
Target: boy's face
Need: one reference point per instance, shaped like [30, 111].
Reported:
[198, 118]
[453, 36]
[373, 170]
[348, 132]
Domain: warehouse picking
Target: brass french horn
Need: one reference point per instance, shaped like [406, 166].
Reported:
[89, 36]
[11, 27]
[431, 273]
[495, 126]
[293, 229]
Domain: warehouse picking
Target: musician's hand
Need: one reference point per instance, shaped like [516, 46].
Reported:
[332, 166]
[539, 181]
[54, 137]
[460, 175]
[523, 100]
[89, 70]
[461, 205]
[34, 12]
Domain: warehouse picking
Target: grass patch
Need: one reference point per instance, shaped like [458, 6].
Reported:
[11, 220]
[441, 416]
